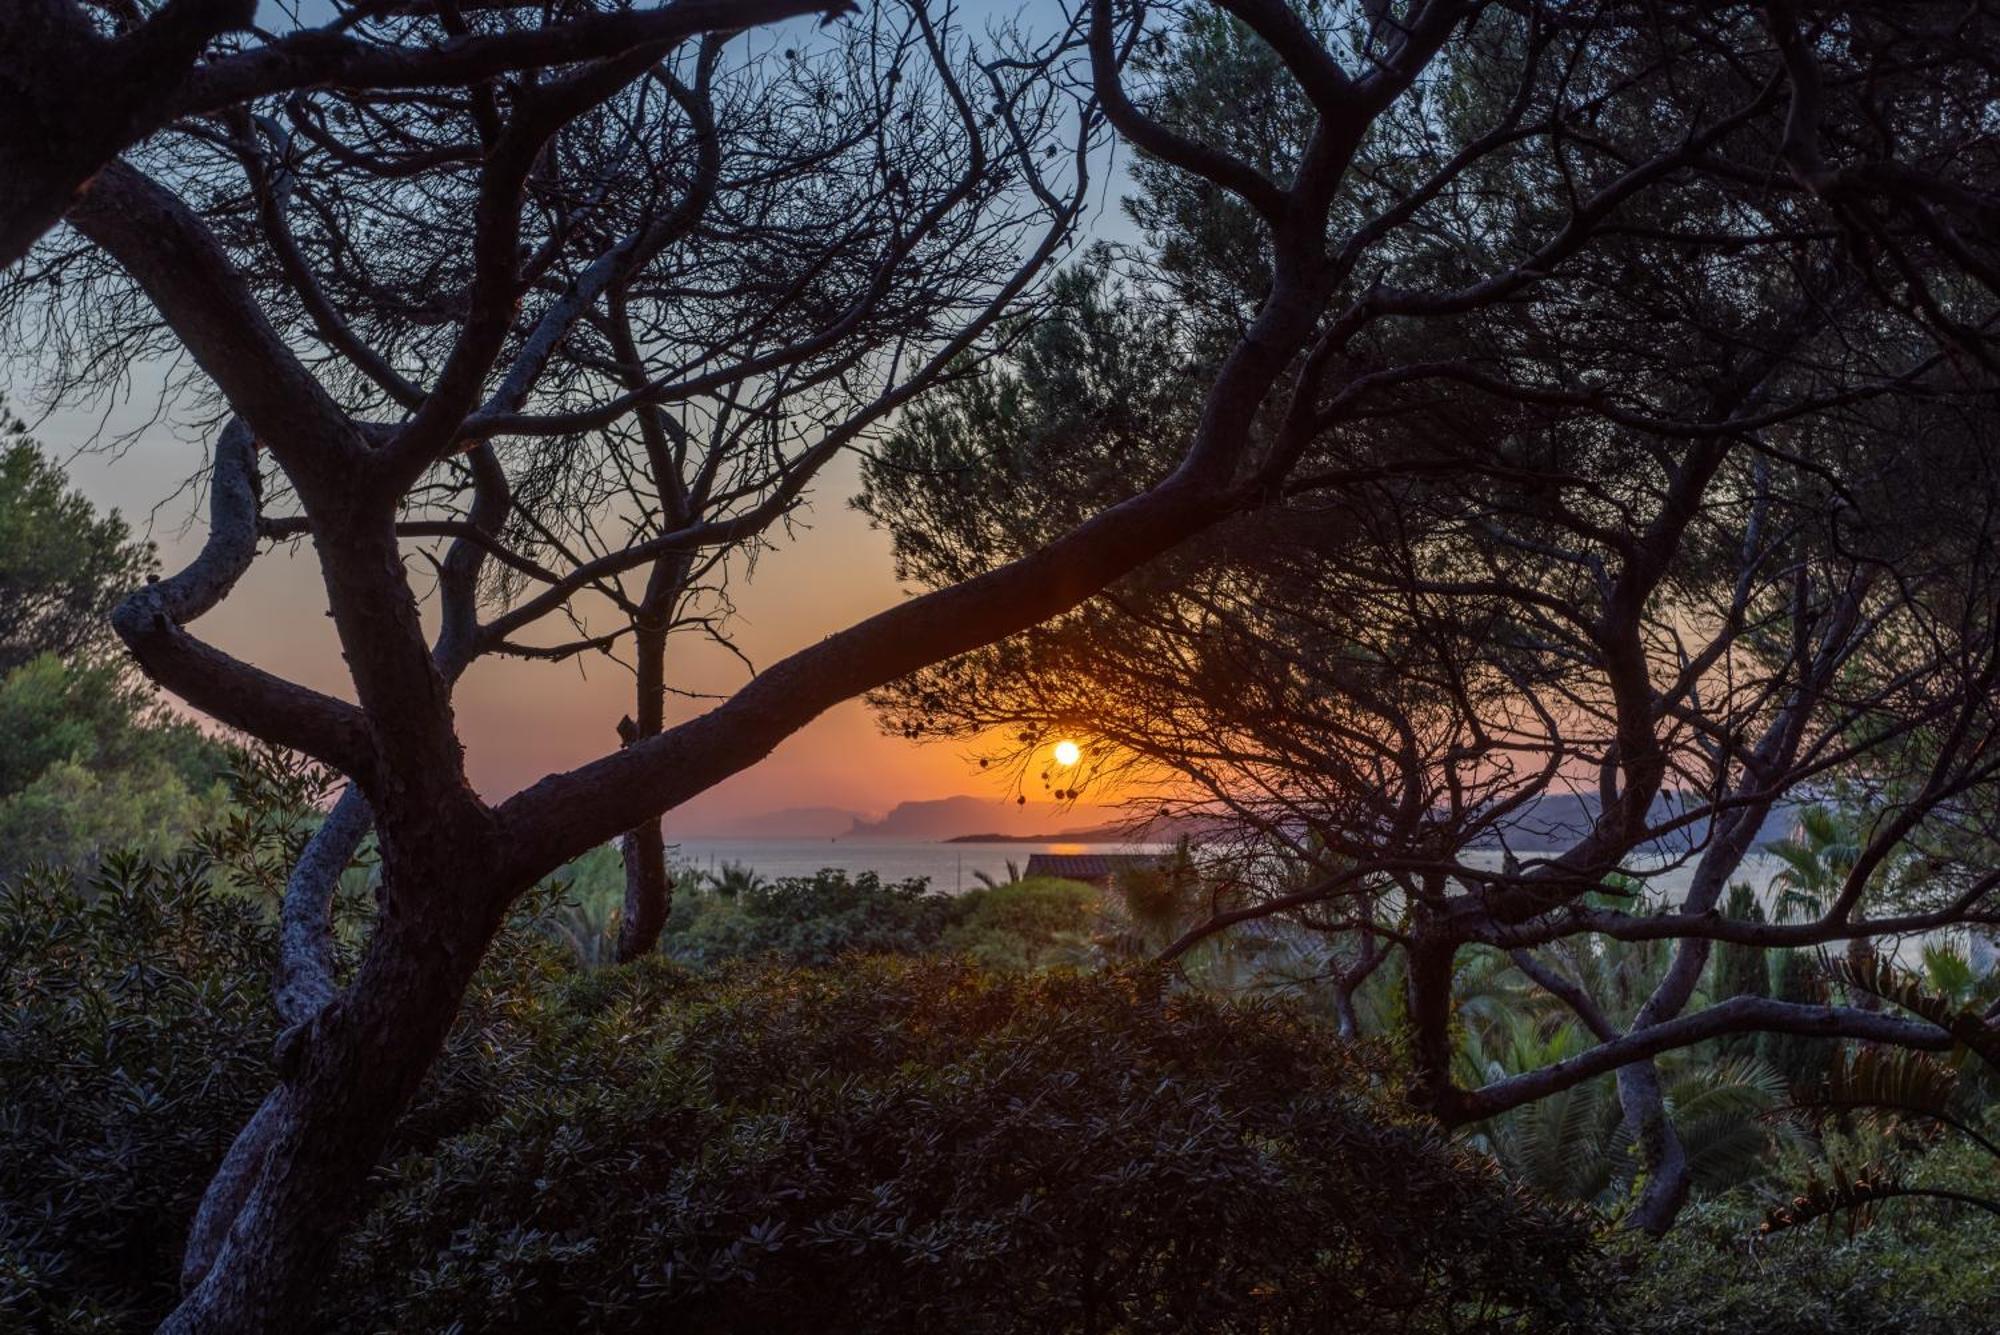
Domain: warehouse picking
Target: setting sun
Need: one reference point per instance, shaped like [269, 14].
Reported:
[1068, 753]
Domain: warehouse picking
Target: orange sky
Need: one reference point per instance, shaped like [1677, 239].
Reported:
[520, 720]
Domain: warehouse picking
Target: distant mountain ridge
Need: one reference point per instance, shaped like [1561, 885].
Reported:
[927, 821]
[1555, 821]
[1548, 824]
[944, 819]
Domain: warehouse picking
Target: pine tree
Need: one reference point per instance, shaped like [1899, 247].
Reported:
[1801, 1060]
[1740, 971]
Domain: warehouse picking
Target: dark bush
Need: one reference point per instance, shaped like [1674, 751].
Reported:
[878, 1145]
[920, 1145]
[135, 1032]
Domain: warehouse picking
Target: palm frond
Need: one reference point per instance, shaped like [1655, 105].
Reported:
[1949, 972]
[1856, 1198]
[1880, 977]
[1721, 1110]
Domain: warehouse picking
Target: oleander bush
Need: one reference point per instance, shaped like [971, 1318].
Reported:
[880, 1144]
[921, 1145]
[135, 1035]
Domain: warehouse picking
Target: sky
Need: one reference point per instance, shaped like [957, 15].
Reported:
[522, 720]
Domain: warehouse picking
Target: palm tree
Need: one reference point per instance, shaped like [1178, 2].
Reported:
[588, 925]
[1818, 857]
[986, 878]
[734, 881]
[1576, 1144]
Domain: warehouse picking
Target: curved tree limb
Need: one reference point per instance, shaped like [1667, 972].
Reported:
[151, 623]
[72, 99]
[1738, 1015]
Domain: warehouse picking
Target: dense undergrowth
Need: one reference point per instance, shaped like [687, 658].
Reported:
[912, 1141]
[883, 1144]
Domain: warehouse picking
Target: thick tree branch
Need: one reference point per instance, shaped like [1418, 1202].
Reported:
[202, 295]
[151, 622]
[1149, 136]
[1738, 1015]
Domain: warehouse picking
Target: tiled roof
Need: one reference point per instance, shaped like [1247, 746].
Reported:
[1087, 866]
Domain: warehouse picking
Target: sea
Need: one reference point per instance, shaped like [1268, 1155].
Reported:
[949, 867]
[953, 866]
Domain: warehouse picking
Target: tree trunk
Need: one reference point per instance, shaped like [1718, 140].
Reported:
[304, 987]
[1669, 1177]
[649, 890]
[344, 1081]
[1427, 994]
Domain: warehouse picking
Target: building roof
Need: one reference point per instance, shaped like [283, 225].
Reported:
[1087, 866]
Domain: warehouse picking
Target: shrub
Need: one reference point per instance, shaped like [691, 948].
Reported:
[135, 1028]
[884, 1145]
[89, 761]
[1923, 1268]
[1026, 925]
[806, 919]
[919, 1145]
[814, 920]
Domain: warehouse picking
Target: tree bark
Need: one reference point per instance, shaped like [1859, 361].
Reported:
[649, 890]
[305, 985]
[1427, 994]
[1668, 1177]
[343, 1083]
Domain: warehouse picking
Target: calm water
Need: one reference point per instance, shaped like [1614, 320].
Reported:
[948, 866]
[951, 866]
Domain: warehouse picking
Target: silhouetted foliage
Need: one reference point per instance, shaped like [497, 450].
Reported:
[886, 1145]
[916, 1146]
[1520, 548]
